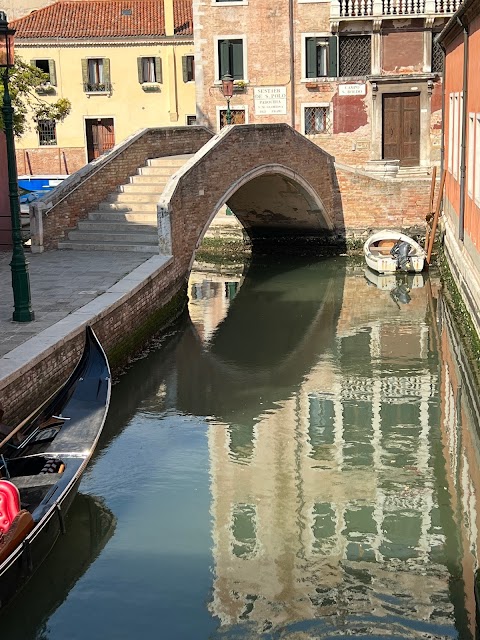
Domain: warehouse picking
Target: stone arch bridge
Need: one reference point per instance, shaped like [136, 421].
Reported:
[277, 182]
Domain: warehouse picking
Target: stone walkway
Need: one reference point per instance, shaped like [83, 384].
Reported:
[61, 282]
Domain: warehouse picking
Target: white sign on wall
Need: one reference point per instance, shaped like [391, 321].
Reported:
[357, 89]
[270, 101]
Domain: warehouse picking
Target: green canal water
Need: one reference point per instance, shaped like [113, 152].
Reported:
[297, 459]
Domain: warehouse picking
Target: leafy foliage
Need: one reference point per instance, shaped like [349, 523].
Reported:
[24, 79]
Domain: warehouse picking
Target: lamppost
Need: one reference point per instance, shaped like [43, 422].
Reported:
[22, 311]
[227, 90]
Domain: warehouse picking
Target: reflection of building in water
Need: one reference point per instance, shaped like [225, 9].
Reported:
[327, 507]
[219, 290]
[459, 419]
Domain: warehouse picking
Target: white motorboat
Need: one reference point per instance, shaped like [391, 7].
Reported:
[392, 251]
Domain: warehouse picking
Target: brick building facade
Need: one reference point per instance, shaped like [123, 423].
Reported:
[362, 79]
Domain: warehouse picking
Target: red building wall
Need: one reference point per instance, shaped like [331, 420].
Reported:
[472, 210]
[453, 84]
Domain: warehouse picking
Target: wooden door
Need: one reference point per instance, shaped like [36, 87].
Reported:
[100, 136]
[401, 128]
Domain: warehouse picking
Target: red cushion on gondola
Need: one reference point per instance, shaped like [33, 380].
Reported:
[9, 504]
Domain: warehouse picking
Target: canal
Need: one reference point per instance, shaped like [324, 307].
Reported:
[296, 459]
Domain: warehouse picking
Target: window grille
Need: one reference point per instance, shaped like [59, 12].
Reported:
[238, 116]
[355, 56]
[437, 57]
[47, 132]
[317, 120]
[191, 120]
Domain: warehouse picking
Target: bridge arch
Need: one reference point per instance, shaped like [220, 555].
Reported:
[274, 179]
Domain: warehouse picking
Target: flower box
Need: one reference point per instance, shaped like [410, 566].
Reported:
[45, 88]
[150, 86]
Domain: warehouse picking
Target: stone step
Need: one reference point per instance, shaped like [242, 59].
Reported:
[111, 246]
[112, 216]
[162, 172]
[124, 226]
[169, 161]
[142, 188]
[107, 237]
[128, 207]
[159, 181]
[140, 198]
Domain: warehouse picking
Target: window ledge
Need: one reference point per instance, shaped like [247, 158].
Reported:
[98, 93]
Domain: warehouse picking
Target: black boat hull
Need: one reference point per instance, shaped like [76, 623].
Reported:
[78, 411]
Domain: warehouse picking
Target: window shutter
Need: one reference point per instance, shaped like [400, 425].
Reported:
[52, 72]
[33, 63]
[237, 60]
[85, 73]
[158, 69]
[140, 70]
[311, 56]
[185, 68]
[191, 67]
[106, 71]
[224, 58]
[333, 57]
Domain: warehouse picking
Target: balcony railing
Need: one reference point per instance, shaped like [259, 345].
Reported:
[379, 8]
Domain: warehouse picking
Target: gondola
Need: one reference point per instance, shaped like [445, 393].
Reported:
[41, 463]
[392, 251]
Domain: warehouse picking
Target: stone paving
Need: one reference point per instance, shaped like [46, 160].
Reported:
[61, 282]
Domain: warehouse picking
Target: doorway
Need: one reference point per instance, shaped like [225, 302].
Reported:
[100, 136]
[401, 128]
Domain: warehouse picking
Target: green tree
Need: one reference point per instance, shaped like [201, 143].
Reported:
[24, 79]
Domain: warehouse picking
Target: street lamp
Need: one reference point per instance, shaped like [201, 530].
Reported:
[227, 90]
[22, 311]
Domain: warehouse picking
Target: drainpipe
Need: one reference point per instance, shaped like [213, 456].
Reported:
[463, 148]
[292, 63]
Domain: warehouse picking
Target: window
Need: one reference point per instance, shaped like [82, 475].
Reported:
[320, 57]
[450, 134]
[191, 120]
[355, 56]
[188, 68]
[47, 132]
[456, 123]
[48, 67]
[230, 57]
[471, 152]
[96, 75]
[318, 119]
[149, 70]
[477, 160]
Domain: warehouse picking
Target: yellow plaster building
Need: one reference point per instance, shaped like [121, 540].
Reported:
[123, 64]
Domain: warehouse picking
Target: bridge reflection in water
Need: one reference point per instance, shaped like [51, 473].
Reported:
[329, 472]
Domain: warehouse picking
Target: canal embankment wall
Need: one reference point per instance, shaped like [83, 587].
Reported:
[142, 303]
